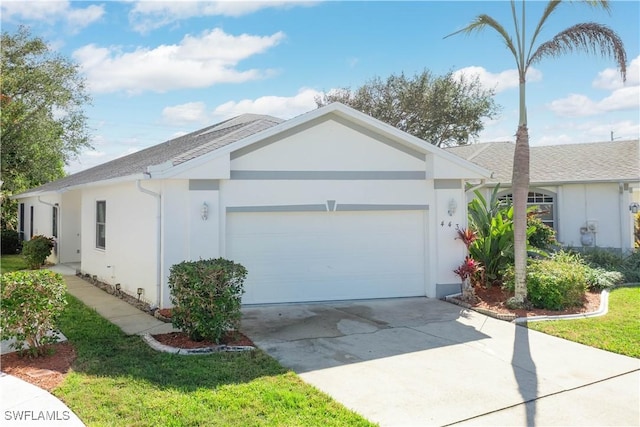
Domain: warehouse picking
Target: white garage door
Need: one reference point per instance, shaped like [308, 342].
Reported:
[321, 256]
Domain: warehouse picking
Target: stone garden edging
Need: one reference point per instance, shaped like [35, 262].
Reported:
[154, 344]
[601, 311]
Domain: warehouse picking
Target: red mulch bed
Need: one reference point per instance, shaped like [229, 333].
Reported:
[46, 372]
[182, 340]
[494, 298]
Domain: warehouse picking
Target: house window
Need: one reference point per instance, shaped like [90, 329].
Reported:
[54, 222]
[21, 227]
[545, 202]
[32, 219]
[101, 224]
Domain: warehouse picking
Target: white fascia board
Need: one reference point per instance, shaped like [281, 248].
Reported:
[167, 170]
[31, 194]
[556, 183]
[410, 140]
[80, 186]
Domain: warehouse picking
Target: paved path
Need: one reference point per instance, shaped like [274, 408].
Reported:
[131, 320]
[424, 362]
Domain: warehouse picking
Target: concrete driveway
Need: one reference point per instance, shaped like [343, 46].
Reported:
[419, 361]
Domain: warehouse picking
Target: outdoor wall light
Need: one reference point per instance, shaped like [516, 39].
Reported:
[634, 207]
[204, 211]
[452, 207]
[140, 292]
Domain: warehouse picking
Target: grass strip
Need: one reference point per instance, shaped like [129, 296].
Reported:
[117, 380]
[618, 331]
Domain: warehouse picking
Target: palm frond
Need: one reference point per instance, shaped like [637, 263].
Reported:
[480, 23]
[588, 37]
[548, 10]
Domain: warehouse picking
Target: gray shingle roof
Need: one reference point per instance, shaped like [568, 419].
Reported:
[587, 162]
[176, 151]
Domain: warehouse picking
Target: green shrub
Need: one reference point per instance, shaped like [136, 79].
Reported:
[555, 283]
[206, 297]
[540, 235]
[603, 258]
[10, 242]
[598, 278]
[627, 265]
[492, 223]
[37, 250]
[30, 305]
[631, 267]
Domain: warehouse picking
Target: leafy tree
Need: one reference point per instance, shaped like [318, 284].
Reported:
[442, 110]
[587, 37]
[42, 122]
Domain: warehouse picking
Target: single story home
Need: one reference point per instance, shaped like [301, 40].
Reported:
[329, 205]
[588, 191]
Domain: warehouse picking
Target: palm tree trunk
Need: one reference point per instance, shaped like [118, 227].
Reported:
[520, 182]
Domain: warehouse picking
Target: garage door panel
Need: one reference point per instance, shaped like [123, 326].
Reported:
[328, 255]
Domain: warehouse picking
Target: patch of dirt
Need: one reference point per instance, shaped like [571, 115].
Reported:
[182, 340]
[494, 298]
[46, 372]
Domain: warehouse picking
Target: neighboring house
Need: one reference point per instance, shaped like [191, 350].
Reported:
[330, 205]
[587, 191]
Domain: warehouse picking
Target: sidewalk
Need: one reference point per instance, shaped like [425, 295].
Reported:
[23, 404]
[128, 318]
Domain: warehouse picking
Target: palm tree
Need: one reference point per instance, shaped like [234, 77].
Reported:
[589, 37]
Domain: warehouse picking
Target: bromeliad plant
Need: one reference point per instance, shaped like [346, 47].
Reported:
[468, 270]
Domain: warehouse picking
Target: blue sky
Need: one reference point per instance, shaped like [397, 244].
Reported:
[157, 70]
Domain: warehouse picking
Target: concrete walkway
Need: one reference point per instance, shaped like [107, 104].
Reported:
[425, 362]
[128, 318]
[23, 404]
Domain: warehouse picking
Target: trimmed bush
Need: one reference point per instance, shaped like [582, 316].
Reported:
[30, 305]
[11, 243]
[555, 283]
[37, 250]
[206, 297]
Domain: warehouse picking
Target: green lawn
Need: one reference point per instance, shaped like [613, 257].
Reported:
[117, 380]
[12, 263]
[618, 331]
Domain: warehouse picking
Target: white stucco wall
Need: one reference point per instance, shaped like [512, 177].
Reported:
[328, 146]
[42, 219]
[70, 227]
[600, 204]
[129, 257]
[580, 205]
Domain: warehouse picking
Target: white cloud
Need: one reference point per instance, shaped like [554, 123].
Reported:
[196, 62]
[501, 81]
[577, 105]
[149, 15]
[51, 12]
[610, 78]
[624, 96]
[191, 112]
[278, 106]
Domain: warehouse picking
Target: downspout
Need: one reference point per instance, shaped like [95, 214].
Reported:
[158, 197]
[57, 239]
